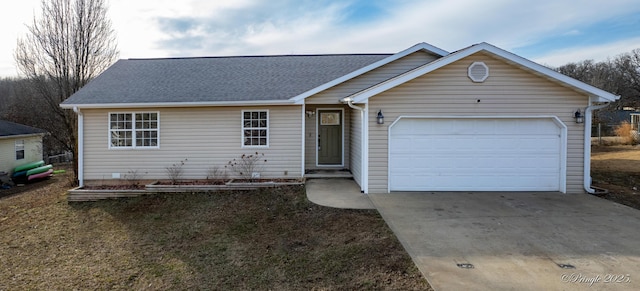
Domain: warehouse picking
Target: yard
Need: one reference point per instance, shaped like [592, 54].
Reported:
[617, 169]
[239, 240]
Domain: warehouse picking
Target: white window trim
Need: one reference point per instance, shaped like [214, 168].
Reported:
[24, 152]
[242, 128]
[133, 136]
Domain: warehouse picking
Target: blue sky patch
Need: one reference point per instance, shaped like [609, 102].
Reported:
[608, 31]
[362, 11]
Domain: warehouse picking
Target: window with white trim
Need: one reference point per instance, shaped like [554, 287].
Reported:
[255, 128]
[20, 149]
[133, 130]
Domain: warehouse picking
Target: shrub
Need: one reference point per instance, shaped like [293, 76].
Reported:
[217, 174]
[175, 171]
[625, 132]
[247, 164]
[133, 177]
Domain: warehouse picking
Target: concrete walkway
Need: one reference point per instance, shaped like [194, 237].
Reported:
[517, 241]
[337, 193]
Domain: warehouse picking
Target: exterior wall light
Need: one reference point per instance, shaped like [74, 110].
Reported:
[310, 113]
[380, 117]
[578, 116]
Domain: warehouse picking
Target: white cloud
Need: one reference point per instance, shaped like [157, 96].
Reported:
[14, 16]
[597, 53]
[162, 28]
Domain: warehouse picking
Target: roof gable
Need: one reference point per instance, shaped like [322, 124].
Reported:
[8, 129]
[418, 47]
[599, 94]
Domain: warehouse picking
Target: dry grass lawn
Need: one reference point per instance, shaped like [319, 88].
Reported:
[617, 169]
[269, 239]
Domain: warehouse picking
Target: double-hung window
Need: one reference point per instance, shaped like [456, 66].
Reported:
[255, 128]
[19, 149]
[133, 130]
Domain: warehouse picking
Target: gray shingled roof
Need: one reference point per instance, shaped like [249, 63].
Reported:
[9, 128]
[217, 79]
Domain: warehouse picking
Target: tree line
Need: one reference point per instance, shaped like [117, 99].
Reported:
[620, 76]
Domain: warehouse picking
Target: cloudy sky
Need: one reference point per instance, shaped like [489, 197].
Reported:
[551, 32]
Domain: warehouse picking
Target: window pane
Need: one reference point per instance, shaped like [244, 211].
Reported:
[254, 124]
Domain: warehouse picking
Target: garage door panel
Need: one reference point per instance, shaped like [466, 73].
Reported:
[475, 155]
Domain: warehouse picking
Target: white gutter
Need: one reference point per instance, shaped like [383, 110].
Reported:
[22, 135]
[362, 143]
[588, 112]
[80, 153]
[178, 104]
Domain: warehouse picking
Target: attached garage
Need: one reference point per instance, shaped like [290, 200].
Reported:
[477, 154]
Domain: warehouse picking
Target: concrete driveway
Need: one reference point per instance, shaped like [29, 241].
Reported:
[517, 241]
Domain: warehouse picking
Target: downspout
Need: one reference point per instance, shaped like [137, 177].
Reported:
[588, 112]
[362, 143]
[304, 132]
[80, 153]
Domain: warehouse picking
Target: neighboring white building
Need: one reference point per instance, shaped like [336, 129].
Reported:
[19, 144]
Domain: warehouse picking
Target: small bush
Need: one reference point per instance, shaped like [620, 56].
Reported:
[217, 174]
[175, 171]
[247, 164]
[625, 132]
[133, 177]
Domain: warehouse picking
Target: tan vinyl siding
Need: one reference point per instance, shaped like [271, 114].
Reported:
[334, 94]
[356, 146]
[32, 152]
[509, 91]
[311, 134]
[207, 137]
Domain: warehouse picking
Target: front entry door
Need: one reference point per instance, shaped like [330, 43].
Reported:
[330, 137]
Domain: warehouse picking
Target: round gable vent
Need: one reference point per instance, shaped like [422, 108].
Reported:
[478, 72]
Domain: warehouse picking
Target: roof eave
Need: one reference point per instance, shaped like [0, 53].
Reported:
[24, 135]
[176, 104]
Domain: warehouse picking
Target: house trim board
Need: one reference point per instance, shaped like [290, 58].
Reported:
[365, 149]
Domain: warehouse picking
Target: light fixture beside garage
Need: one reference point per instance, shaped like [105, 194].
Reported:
[380, 117]
[578, 116]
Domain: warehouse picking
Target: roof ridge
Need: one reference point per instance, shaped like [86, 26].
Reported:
[258, 56]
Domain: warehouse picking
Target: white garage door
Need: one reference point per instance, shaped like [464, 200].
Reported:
[475, 155]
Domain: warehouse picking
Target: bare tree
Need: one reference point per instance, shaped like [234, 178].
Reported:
[629, 66]
[69, 44]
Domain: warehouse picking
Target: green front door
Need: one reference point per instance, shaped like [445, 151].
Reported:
[330, 137]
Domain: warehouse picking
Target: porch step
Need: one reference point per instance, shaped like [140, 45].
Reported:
[320, 174]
